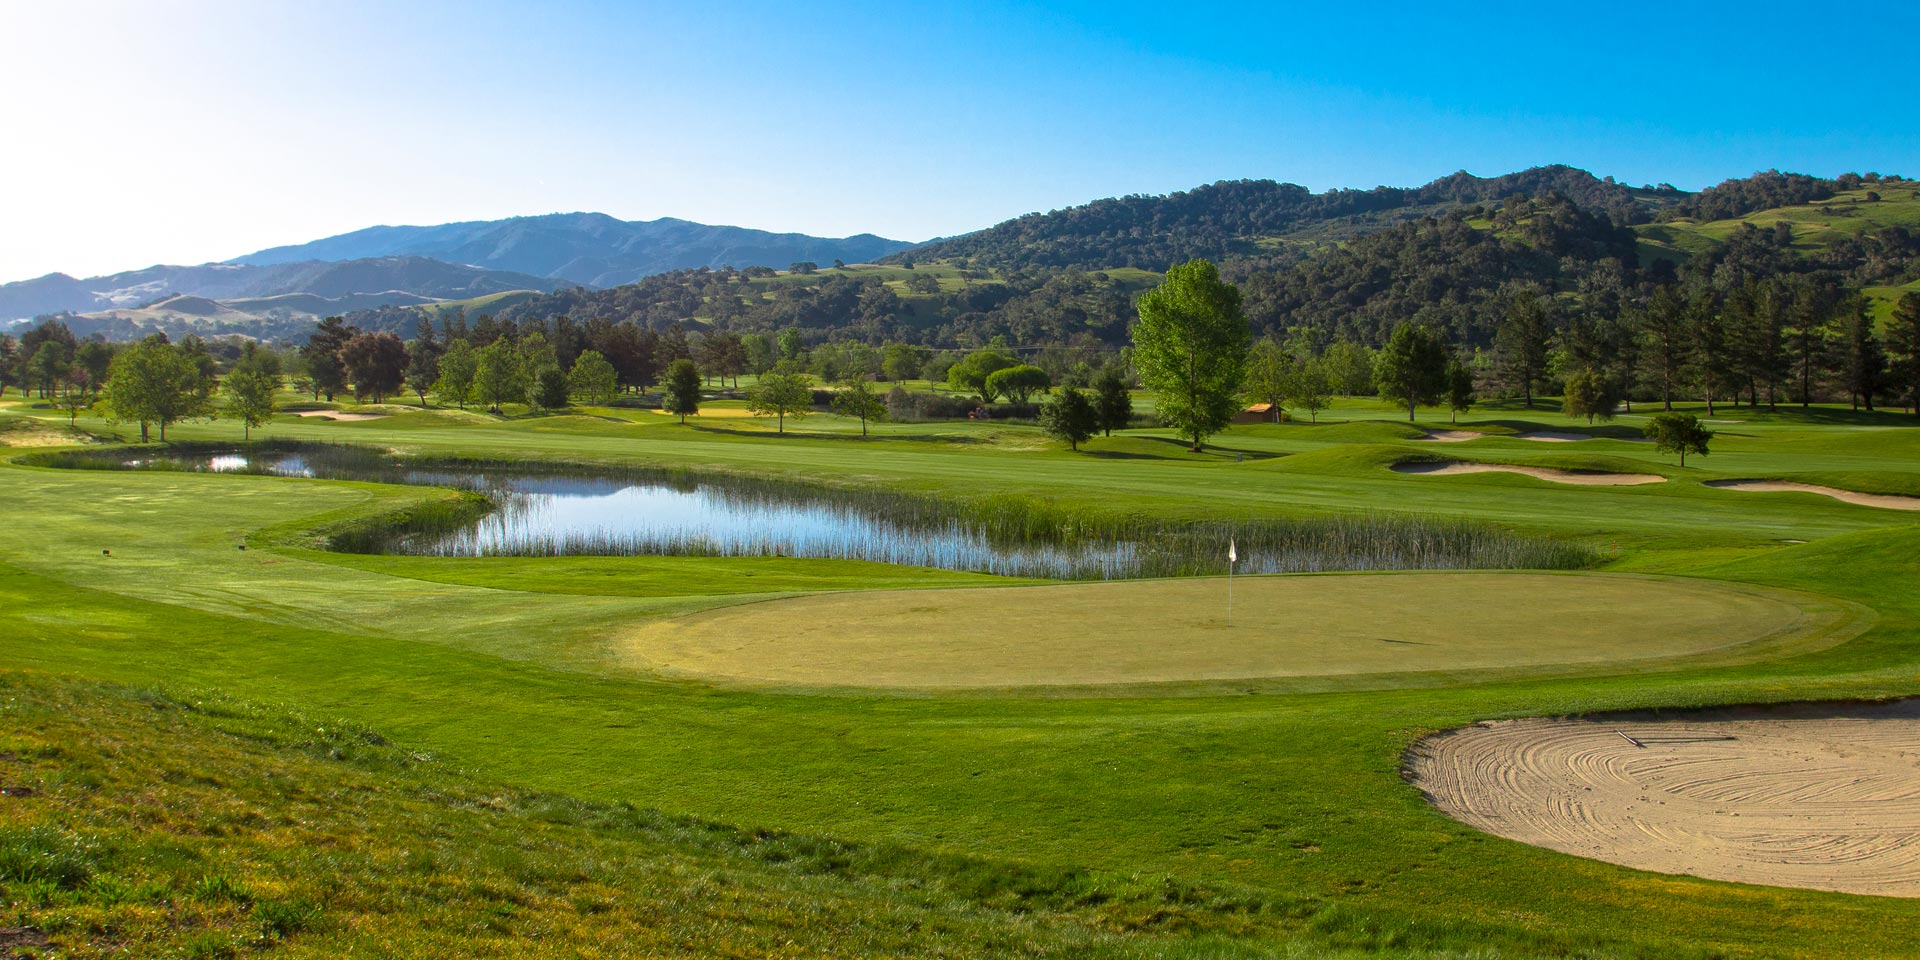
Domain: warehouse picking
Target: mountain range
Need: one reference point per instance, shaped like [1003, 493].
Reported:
[451, 261]
[382, 279]
[586, 249]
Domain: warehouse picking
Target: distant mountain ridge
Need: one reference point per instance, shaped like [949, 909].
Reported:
[590, 249]
[382, 279]
[1252, 218]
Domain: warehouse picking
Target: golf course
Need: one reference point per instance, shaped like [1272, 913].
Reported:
[228, 731]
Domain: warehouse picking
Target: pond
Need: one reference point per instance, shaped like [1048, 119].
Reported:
[570, 511]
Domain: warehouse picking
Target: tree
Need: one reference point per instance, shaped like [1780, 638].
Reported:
[1113, 402]
[1411, 368]
[1707, 342]
[1520, 343]
[1459, 388]
[1270, 375]
[1309, 388]
[322, 353]
[1190, 346]
[1903, 337]
[376, 364]
[9, 358]
[1588, 394]
[250, 398]
[593, 378]
[971, 372]
[784, 392]
[857, 399]
[1664, 329]
[423, 369]
[155, 382]
[1679, 433]
[1810, 335]
[549, 389]
[1018, 383]
[791, 346]
[1349, 367]
[1070, 416]
[49, 367]
[457, 368]
[499, 375]
[36, 362]
[902, 361]
[682, 395]
[1863, 364]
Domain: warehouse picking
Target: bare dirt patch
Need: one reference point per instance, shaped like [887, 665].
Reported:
[1824, 797]
[1885, 501]
[1576, 477]
[1157, 631]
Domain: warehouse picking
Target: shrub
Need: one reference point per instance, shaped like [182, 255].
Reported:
[909, 407]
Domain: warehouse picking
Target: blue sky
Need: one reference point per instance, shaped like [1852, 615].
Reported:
[143, 133]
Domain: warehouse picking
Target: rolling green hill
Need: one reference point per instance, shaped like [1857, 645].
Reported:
[1815, 227]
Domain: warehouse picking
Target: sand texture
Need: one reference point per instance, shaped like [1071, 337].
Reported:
[1885, 501]
[1578, 478]
[1807, 796]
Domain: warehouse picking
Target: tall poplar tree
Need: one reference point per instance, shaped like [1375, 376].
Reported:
[1190, 346]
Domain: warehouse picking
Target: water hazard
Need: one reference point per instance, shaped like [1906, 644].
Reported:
[554, 511]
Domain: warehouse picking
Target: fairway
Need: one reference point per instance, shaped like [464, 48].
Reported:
[1158, 631]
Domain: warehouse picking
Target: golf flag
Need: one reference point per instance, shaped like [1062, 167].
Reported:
[1232, 557]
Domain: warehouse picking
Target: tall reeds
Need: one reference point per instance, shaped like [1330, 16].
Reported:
[506, 514]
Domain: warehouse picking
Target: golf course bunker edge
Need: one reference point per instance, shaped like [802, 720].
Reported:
[1820, 796]
[1175, 630]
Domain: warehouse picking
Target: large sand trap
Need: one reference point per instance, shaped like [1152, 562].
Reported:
[1147, 631]
[1450, 436]
[1886, 501]
[1580, 478]
[337, 415]
[1805, 796]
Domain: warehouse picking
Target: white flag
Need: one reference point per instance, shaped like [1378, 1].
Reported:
[1232, 556]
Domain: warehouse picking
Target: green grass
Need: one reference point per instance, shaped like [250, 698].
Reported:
[1814, 226]
[1285, 807]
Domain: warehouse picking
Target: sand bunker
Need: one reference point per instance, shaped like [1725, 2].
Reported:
[1450, 436]
[1577, 477]
[337, 415]
[1804, 796]
[1551, 436]
[1885, 501]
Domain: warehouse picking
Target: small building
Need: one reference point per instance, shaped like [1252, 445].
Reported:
[1261, 413]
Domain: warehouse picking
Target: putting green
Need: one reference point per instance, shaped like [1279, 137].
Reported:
[1160, 631]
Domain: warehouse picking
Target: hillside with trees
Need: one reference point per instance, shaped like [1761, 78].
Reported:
[1259, 218]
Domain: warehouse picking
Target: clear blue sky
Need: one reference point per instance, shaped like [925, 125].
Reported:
[140, 133]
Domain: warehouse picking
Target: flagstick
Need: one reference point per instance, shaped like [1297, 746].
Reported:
[1232, 556]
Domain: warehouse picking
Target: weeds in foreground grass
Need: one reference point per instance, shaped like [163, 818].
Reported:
[1005, 535]
[43, 854]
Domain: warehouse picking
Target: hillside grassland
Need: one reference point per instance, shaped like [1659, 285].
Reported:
[1813, 225]
[573, 790]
